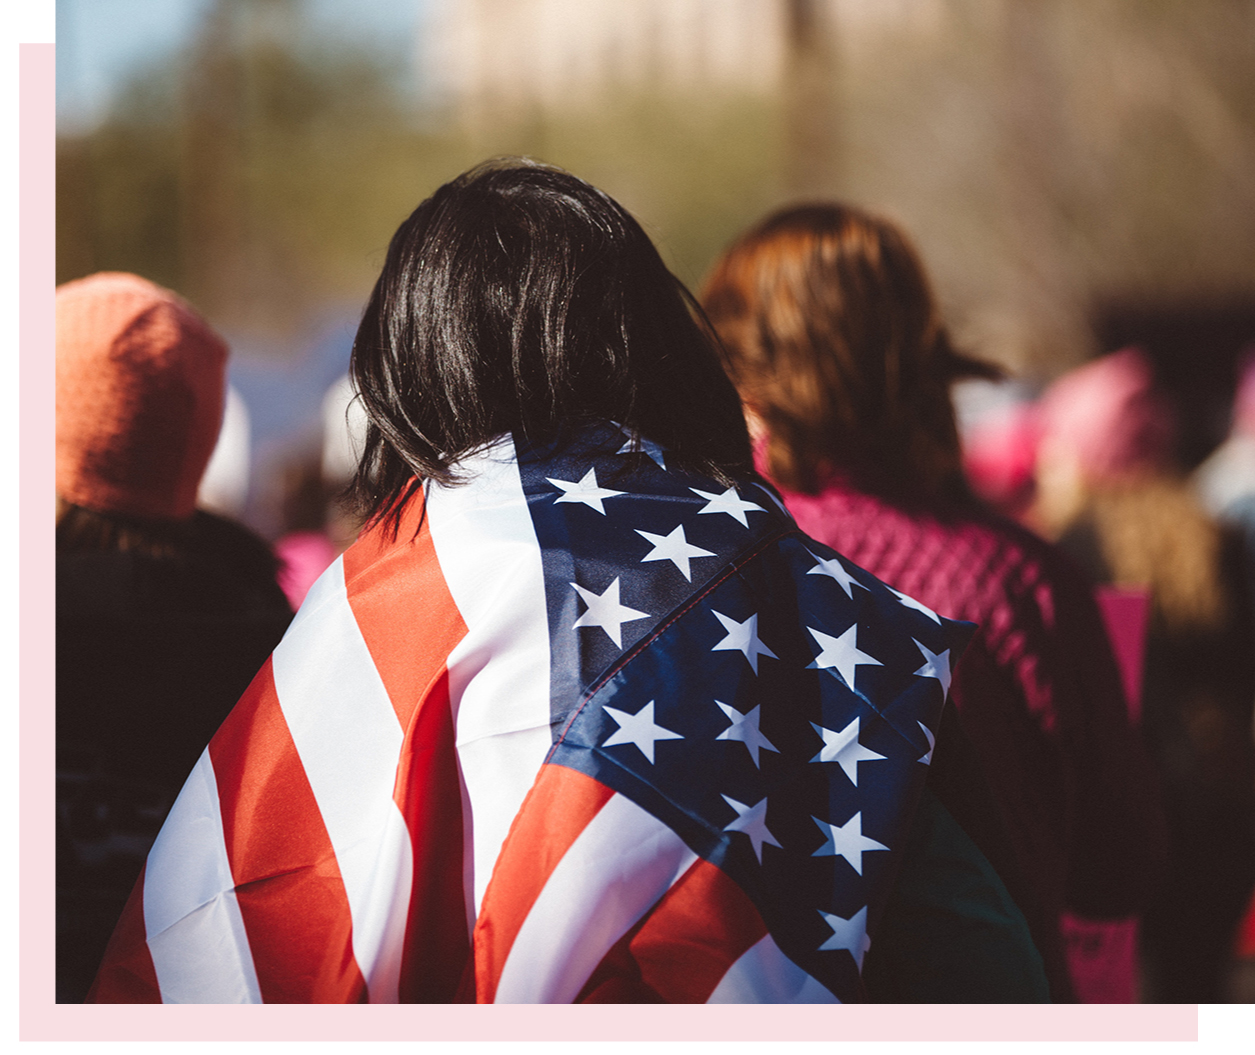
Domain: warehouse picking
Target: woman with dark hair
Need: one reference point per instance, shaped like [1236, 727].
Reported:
[838, 350]
[520, 300]
[572, 720]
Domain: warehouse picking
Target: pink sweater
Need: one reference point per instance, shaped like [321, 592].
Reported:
[1038, 690]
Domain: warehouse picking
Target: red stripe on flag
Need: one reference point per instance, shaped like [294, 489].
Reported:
[288, 884]
[681, 950]
[126, 974]
[556, 810]
[410, 623]
[437, 947]
[404, 609]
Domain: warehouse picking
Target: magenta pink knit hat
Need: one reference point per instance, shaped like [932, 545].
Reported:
[140, 379]
[1110, 415]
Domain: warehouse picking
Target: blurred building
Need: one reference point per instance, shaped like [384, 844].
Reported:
[500, 57]
[1050, 158]
[493, 59]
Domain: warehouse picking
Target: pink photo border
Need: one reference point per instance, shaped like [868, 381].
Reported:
[40, 1018]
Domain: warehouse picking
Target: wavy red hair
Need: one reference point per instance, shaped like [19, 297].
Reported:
[834, 340]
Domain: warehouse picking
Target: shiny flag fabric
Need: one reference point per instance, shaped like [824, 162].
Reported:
[587, 729]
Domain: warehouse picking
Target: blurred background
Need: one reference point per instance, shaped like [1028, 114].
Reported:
[1079, 174]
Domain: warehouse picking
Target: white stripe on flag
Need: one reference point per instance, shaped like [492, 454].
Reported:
[499, 672]
[349, 741]
[195, 932]
[612, 875]
[764, 975]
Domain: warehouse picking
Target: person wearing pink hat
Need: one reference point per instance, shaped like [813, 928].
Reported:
[1102, 424]
[1109, 492]
[164, 612]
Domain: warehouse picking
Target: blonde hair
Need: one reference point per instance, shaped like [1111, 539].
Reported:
[1154, 534]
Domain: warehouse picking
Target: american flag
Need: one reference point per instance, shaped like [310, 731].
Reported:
[589, 728]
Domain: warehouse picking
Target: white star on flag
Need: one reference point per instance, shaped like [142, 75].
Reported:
[935, 666]
[744, 728]
[843, 748]
[849, 934]
[847, 841]
[751, 821]
[586, 491]
[675, 548]
[927, 757]
[911, 602]
[638, 729]
[842, 653]
[729, 502]
[647, 446]
[834, 569]
[742, 637]
[605, 611]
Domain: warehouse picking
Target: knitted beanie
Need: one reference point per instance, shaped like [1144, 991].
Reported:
[1111, 415]
[140, 379]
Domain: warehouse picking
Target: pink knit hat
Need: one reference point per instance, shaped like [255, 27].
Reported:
[1110, 415]
[139, 396]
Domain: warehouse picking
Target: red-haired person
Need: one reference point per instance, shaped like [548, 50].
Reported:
[836, 345]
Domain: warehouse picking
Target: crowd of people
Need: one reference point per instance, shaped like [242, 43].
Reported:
[657, 648]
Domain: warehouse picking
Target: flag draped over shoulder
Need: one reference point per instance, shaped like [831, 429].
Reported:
[586, 729]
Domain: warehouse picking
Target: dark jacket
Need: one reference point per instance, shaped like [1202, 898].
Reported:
[152, 653]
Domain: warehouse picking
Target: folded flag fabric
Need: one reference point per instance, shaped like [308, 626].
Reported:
[586, 728]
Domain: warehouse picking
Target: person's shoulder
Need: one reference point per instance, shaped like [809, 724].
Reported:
[1000, 572]
[966, 541]
[242, 564]
[1019, 554]
[216, 534]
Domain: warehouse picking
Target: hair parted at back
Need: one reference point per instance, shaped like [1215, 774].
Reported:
[835, 342]
[520, 299]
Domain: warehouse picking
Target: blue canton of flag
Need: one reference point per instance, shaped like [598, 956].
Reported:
[773, 705]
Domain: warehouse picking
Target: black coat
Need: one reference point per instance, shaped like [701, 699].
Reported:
[152, 654]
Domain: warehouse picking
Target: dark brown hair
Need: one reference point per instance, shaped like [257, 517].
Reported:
[520, 299]
[834, 341]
